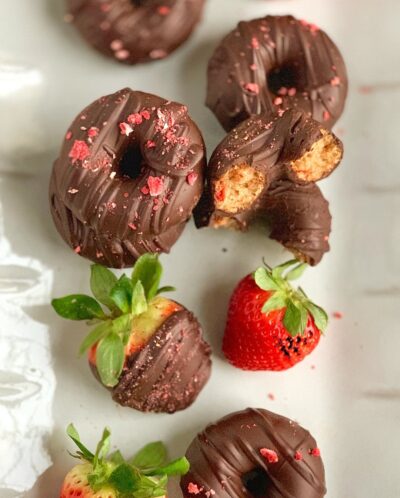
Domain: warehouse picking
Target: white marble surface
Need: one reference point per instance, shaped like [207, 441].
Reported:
[350, 400]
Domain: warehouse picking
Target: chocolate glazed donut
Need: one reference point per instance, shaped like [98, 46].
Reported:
[254, 454]
[267, 168]
[133, 31]
[129, 174]
[271, 64]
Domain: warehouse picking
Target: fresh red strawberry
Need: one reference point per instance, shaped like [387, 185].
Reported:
[271, 325]
[101, 476]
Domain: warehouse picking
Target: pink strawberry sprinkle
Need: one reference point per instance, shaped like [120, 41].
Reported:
[150, 144]
[68, 135]
[164, 10]
[93, 132]
[270, 455]
[278, 101]
[193, 489]
[298, 456]
[338, 315]
[145, 114]
[79, 151]
[283, 91]
[326, 116]
[292, 92]
[335, 81]
[191, 178]
[132, 226]
[135, 119]
[271, 396]
[255, 43]
[125, 129]
[252, 87]
[144, 190]
[77, 249]
[122, 55]
[156, 185]
[315, 452]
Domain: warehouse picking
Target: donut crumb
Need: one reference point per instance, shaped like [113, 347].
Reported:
[224, 222]
[320, 160]
[238, 188]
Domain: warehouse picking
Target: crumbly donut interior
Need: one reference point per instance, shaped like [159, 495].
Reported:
[224, 222]
[324, 155]
[238, 188]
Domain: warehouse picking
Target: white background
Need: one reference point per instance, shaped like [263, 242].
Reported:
[350, 400]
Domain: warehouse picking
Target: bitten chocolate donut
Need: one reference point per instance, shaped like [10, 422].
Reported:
[267, 168]
[133, 31]
[128, 176]
[254, 453]
[271, 64]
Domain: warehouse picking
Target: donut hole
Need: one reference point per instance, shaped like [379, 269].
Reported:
[285, 77]
[131, 163]
[323, 157]
[238, 188]
[257, 482]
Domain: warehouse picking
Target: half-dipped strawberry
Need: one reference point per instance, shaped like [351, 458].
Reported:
[147, 349]
[271, 325]
[101, 476]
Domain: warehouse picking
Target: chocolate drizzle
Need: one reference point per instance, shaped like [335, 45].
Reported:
[296, 209]
[170, 371]
[135, 31]
[111, 217]
[271, 64]
[226, 461]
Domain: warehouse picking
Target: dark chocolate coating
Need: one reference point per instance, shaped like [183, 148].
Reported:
[241, 79]
[298, 213]
[227, 454]
[106, 215]
[134, 31]
[169, 372]
[300, 219]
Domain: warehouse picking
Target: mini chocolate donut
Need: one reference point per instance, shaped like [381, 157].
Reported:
[128, 176]
[267, 168]
[254, 454]
[133, 31]
[271, 64]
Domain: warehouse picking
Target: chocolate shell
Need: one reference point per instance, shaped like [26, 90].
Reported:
[129, 174]
[169, 372]
[134, 31]
[276, 63]
[254, 454]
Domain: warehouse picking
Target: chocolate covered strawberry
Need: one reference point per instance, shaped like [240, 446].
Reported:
[147, 349]
[101, 476]
[271, 325]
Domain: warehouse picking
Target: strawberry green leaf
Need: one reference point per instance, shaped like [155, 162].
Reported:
[139, 302]
[78, 307]
[296, 272]
[293, 319]
[121, 294]
[117, 458]
[102, 447]
[276, 301]
[319, 315]
[110, 359]
[167, 288]
[123, 479]
[277, 272]
[74, 435]
[95, 336]
[102, 281]
[264, 280]
[151, 456]
[177, 467]
[122, 326]
[148, 270]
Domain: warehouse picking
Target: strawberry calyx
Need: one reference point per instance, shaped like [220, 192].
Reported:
[298, 307]
[118, 304]
[145, 475]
